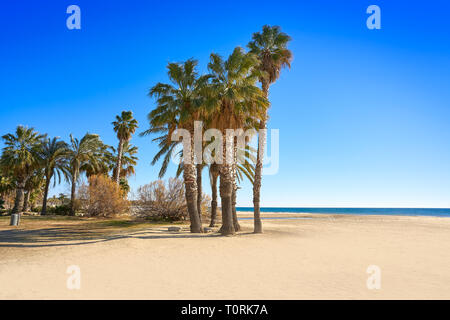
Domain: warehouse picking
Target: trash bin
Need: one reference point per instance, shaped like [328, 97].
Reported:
[15, 218]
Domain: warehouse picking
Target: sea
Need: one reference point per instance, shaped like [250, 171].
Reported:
[431, 212]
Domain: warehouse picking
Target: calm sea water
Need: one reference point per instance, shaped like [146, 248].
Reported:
[358, 211]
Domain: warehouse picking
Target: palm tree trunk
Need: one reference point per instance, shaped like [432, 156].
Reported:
[214, 176]
[236, 225]
[199, 191]
[119, 162]
[226, 189]
[44, 200]
[26, 202]
[190, 183]
[72, 194]
[19, 197]
[258, 169]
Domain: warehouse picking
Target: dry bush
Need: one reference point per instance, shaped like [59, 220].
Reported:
[158, 200]
[103, 197]
[206, 203]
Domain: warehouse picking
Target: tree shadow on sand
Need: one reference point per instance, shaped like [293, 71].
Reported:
[70, 236]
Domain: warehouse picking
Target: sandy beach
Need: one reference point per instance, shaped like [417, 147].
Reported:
[318, 257]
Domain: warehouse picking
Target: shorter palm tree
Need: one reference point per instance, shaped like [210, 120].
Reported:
[178, 107]
[21, 157]
[83, 155]
[33, 188]
[54, 159]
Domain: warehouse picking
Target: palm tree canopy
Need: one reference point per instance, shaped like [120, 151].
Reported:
[86, 154]
[125, 125]
[21, 152]
[233, 99]
[178, 104]
[270, 46]
[54, 153]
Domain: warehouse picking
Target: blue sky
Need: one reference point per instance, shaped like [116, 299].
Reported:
[363, 114]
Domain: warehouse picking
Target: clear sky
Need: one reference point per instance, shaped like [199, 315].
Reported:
[363, 114]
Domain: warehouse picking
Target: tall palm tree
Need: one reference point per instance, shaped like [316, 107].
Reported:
[233, 102]
[83, 155]
[21, 156]
[178, 106]
[54, 154]
[128, 162]
[125, 126]
[270, 46]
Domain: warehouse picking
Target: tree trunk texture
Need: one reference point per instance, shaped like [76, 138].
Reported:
[214, 175]
[226, 190]
[199, 191]
[18, 202]
[72, 195]
[258, 169]
[236, 225]
[44, 201]
[26, 202]
[119, 162]
[190, 183]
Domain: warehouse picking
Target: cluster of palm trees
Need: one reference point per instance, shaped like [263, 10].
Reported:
[233, 95]
[31, 161]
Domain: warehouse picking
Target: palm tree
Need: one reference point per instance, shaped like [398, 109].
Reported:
[270, 46]
[54, 154]
[33, 188]
[178, 106]
[83, 155]
[6, 185]
[125, 126]
[233, 102]
[128, 162]
[21, 156]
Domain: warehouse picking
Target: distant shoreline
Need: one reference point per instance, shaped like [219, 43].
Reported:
[427, 212]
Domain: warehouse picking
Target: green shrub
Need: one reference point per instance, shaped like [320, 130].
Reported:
[63, 210]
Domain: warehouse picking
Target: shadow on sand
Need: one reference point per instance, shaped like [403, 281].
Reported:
[71, 236]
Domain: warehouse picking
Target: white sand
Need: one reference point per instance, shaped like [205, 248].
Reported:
[320, 258]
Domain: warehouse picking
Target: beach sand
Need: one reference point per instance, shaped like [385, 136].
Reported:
[321, 257]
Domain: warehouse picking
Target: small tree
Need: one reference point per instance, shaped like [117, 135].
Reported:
[102, 197]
